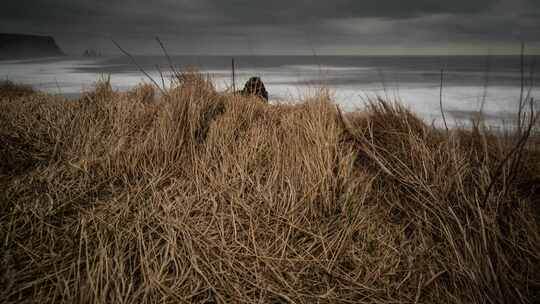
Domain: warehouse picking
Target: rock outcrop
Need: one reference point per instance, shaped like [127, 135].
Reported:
[91, 53]
[255, 87]
[19, 46]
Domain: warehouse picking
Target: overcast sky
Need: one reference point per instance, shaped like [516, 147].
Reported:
[282, 26]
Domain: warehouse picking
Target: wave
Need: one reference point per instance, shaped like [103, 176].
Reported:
[314, 67]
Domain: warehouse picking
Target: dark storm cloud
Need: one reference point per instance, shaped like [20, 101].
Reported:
[299, 11]
[120, 14]
[217, 24]
[219, 12]
[243, 9]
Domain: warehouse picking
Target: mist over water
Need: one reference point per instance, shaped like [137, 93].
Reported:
[352, 80]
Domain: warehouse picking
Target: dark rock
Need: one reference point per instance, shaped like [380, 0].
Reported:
[255, 87]
[18, 46]
[91, 53]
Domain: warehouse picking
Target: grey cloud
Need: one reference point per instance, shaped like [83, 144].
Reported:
[227, 12]
[289, 11]
[242, 25]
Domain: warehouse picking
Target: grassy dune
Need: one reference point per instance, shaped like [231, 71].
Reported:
[200, 197]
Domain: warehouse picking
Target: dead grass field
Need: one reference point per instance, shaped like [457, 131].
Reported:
[199, 197]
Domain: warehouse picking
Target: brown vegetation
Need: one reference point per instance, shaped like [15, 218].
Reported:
[197, 197]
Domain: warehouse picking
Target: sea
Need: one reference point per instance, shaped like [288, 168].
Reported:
[466, 85]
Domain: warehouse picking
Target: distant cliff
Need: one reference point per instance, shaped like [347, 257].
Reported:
[17, 46]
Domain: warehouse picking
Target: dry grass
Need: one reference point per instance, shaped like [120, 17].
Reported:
[198, 197]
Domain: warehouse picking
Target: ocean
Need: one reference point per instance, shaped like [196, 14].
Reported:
[414, 81]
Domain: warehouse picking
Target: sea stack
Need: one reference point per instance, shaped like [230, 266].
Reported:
[20, 46]
[255, 87]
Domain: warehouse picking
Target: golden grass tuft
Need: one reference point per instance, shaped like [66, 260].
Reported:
[198, 197]
[9, 89]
